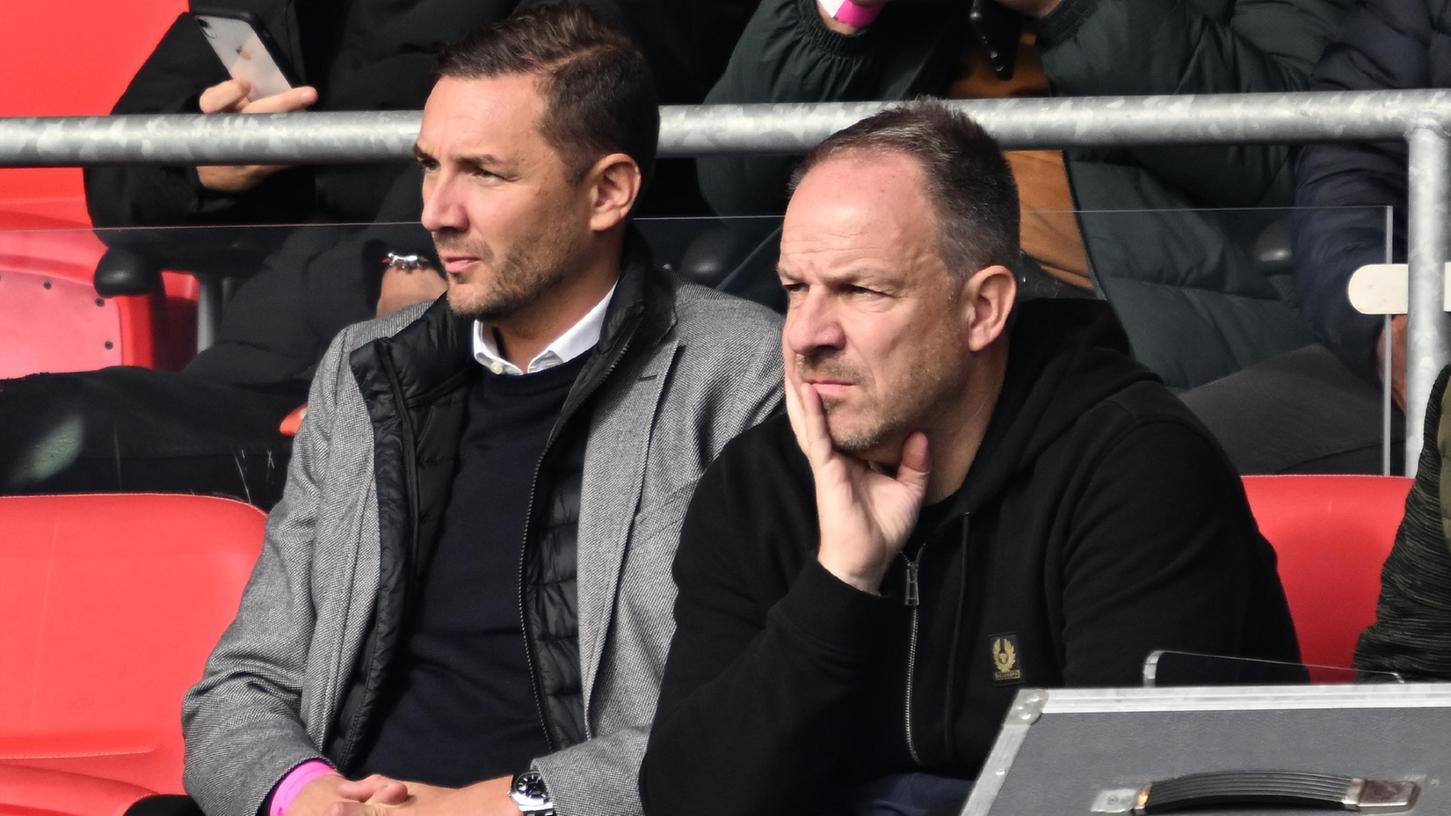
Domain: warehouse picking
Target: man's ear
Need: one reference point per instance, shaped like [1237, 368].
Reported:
[614, 184]
[987, 297]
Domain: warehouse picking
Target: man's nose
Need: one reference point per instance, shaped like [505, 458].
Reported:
[812, 325]
[442, 209]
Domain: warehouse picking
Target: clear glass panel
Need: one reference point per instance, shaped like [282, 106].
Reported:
[1206, 297]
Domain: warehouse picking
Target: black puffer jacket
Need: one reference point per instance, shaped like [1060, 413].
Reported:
[1173, 263]
[1344, 189]
[416, 386]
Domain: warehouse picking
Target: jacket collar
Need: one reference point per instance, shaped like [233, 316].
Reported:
[434, 353]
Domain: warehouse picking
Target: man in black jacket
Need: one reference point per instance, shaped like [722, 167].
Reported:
[969, 496]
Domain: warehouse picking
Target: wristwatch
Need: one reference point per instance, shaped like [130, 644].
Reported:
[530, 794]
[854, 15]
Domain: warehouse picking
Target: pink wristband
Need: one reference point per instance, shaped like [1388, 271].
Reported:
[845, 11]
[294, 782]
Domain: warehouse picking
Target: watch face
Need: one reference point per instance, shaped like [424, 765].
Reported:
[529, 792]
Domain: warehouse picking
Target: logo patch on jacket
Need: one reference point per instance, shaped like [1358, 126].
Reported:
[1005, 659]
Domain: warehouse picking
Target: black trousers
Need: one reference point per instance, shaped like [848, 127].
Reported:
[165, 806]
[137, 430]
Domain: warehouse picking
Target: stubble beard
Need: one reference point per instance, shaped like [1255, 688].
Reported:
[519, 279]
[875, 425]
[883, 421]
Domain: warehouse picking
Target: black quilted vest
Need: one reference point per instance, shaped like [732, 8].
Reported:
[415, 386]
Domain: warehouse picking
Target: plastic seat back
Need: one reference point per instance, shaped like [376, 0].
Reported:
[111, 604]
[1331, 534]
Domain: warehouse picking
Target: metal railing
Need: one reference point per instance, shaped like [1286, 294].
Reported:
[1421, 118]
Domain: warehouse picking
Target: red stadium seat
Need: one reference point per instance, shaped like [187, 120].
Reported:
[44, 227]
[110, 604]
[52, 319]
[1332, 534]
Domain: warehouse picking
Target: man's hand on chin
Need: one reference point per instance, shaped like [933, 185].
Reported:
[865, 515]
[487, 798]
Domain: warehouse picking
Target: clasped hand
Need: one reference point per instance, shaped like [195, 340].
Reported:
[378, 795]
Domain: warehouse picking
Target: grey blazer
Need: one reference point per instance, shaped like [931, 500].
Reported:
[271, 688]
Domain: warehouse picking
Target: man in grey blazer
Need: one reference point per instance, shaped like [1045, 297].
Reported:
[463, 601]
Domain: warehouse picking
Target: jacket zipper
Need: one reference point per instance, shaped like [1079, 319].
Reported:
[912, 598]
[410, 461]
[524, 550]
[410, 487]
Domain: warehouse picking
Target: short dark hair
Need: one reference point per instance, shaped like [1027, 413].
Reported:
[969, 184]
[598, 92]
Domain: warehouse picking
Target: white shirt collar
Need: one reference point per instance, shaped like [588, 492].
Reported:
[578, 339]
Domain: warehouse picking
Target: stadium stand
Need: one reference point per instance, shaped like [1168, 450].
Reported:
[111, 604]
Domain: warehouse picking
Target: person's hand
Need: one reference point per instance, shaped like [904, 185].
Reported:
[231, 97]
[1398, 359]
[488, 798]
[319, 795]
[1036, 9]
[865, 514]
[404, 287]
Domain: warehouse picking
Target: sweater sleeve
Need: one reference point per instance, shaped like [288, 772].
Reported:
[1165, 554]
[1345, 188]
[241, 721]
[1136, 47]
[1413, 615]
[762, 647]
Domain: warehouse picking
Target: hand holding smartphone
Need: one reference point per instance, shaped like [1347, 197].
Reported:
[262, 82]
[246, 50]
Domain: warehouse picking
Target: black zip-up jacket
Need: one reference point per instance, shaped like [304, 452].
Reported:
[416, 386]
[1098, 522]
[1345, 188]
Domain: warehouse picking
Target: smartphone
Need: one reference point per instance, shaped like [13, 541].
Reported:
[247, 52]
[998, 29]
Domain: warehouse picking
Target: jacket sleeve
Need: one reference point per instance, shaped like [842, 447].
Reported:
[761, 649]
[737, 385]
[1137, 47]
[1164, 554]
[786, 54]
[1413, 616]
[241, 722]
[171, 81]
[1345, 188]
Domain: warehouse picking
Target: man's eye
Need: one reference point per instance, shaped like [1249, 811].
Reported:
[862, 291]
[793, 288]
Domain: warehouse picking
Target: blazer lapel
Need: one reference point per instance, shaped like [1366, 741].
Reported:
[619, 445]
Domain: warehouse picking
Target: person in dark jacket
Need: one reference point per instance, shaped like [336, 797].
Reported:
[462, 601]
[969, 496]
[1151, 231]
[1344, 188]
